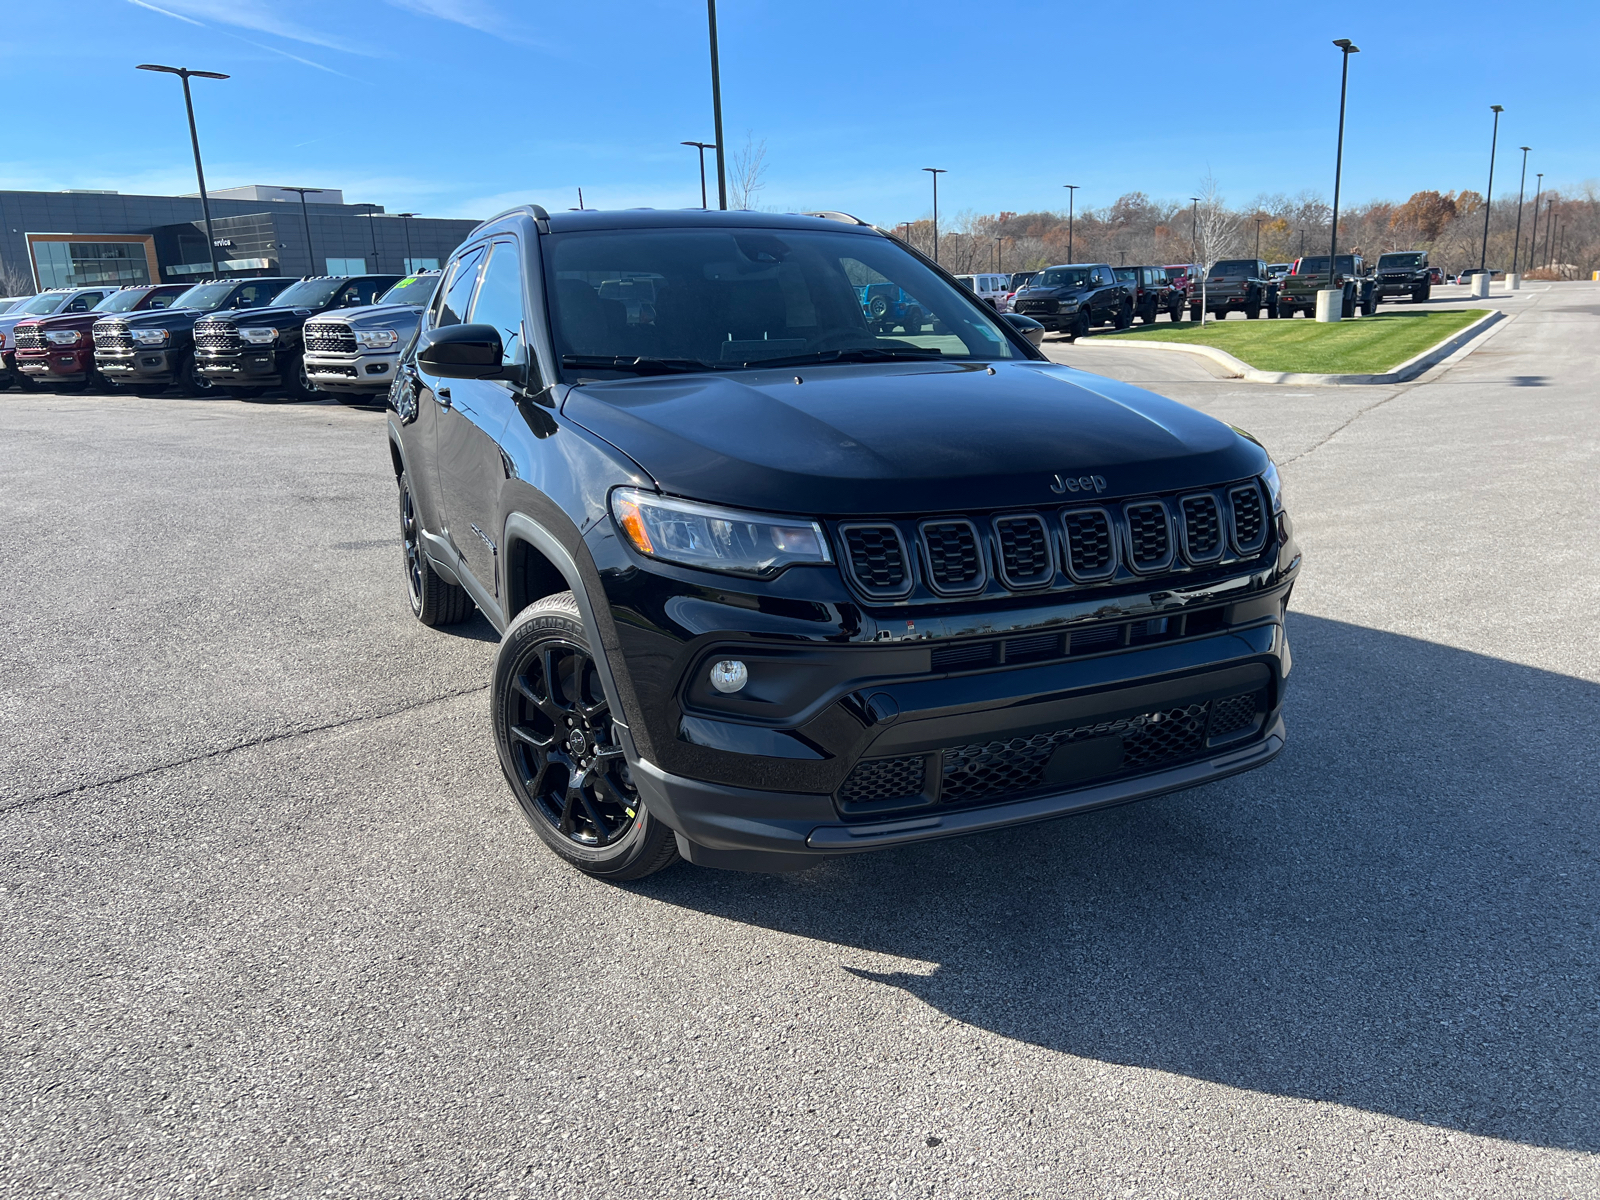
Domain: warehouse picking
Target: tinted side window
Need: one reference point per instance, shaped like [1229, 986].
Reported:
[252, 295]
[499, 300]
[85, 302]
[452, 304]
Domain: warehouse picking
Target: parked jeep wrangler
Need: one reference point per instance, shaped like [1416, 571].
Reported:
[250, 356]
[352, 354]
[774, 585]
[1403, 273]
[1298, 291]
[1153, 292]
[1235, 285]
[1071, 299]
[150, 351]
[58, 351]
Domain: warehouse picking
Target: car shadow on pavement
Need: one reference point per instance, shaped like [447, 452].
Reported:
[1397, 915]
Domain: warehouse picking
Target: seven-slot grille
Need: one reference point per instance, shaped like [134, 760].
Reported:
[1202, 528]
[877, 559]
[1249, 520]
[955, 557]
[215, 335]
[112, 335]
[1149, 538]
[1025, 558]
[30, 337]
[332, 337]
[1091, 550]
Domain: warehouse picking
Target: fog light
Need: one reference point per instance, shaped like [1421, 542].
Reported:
[729, 675]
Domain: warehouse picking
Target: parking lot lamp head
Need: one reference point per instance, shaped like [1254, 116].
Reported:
[184, 74]
[1488, 195]
[703, 147]
[1347, 48]
[936, 172]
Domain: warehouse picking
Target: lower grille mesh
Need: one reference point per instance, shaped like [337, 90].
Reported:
[883, 779]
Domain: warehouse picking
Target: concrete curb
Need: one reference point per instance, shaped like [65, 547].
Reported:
[1238, 369]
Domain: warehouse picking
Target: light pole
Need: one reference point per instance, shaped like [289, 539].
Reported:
[1194, 229]
[405, 219]
[1302, 243]
[906, 236]
[1258, 237]
[1522, 187]
[716, 105]
[184, 74]
[305, 215]
[702, 147]
[1347, 48]
[372, 228]
[1072, 196]
[1488, 196]
[1533, 238]
[936, 172]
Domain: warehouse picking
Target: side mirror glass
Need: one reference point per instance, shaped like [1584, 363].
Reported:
[461, 352]
[1026, 326]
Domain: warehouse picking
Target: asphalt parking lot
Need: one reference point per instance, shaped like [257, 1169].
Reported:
[270, 925]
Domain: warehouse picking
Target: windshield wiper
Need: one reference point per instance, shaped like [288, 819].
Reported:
[638, 364]
[862, 354]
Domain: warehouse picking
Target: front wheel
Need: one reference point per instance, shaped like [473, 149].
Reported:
[1080, 325]
[1427, 291]
[297, 384]
[191, 383]
[559, 749]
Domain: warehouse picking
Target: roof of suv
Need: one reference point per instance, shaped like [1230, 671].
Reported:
[677, 218]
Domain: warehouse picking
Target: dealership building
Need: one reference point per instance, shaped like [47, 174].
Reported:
[82, 238]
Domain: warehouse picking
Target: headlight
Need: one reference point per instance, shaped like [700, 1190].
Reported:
[262, 336]
[715, 539]
[150, 337]
[64, 337]
[376, 339]
[1274, 485]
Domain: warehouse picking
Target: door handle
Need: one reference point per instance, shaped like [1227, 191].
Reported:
[443, 395]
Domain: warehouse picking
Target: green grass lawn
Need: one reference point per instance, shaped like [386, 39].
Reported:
[1364, 346]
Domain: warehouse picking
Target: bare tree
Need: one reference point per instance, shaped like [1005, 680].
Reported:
[14, 281]
[749, 172]
[1216, 233]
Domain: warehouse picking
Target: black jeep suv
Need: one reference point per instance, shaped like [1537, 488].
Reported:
[247, 356]
[150, 351]
[774, 585]
[1241, 284]
[1153, 292]
[1403, 273]
[1070, 299]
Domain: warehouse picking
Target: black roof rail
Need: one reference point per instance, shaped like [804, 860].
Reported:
[845, 218]
[541, 218]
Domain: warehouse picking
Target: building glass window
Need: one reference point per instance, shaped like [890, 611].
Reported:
[414, 265]
[84, 264]
[347, 266]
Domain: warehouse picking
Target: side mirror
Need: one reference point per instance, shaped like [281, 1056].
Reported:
[461, 352]
[1026, 326]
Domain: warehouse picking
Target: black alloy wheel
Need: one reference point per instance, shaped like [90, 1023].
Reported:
[1080, 324]
[559, 748]
[1124, 318]
[191, 382]
[297, 384]
[434, 600]
[878, 308]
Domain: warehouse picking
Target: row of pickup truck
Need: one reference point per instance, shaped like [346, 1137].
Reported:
[335, 334]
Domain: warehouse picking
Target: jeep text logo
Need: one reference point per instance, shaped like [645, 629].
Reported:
[1062, 484]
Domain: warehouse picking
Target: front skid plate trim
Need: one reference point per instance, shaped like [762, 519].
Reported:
[841, 839]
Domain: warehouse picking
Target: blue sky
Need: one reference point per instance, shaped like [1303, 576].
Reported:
[462, 107]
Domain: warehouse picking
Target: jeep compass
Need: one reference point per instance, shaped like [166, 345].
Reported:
[776, 582]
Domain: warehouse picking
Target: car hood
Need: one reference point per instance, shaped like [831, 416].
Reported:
[162, 318]
[384, 316]
[907, 439]
[1058, 293]
[269, 316]
[8, 322]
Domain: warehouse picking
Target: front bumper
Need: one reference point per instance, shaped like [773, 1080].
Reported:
[371, 371]
[250, 367]
[136, 366]
[66, 366]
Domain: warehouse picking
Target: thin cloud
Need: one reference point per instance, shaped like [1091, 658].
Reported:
[165, 13]
[237, 37]
[474, 14]
[259, 16]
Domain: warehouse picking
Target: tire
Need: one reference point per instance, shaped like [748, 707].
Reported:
[913, 322]
[434, 600]
[1286, 311]
[1194, 312]
[1347, 309]
[1124, 317]
[297, 385]
[1080, 325]
[191, 382]
[1177, 313]
[878, 308]
[1252, 312]
[1427, 291]
[559, 751]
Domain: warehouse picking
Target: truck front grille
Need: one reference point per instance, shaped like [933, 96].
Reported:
[1149, 540]
[215, 336]
[330, 337]
[112, 335]
[995, 771]
[877, 559]
[30, 337]
[1025, 558]
[1202, 527]
[1249, 524]
[954, 561]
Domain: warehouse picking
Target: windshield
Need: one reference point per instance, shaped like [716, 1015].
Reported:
[1057, 277]
[1318, 265]
[700, 299]
[44, 302]
[308, 293]
[1176, 273]
[418, 289]
[1128, 274]
[1395, 262]
[204, 296]
[123, 301]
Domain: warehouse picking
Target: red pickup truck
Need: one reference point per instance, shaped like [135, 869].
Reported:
[58, 351]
